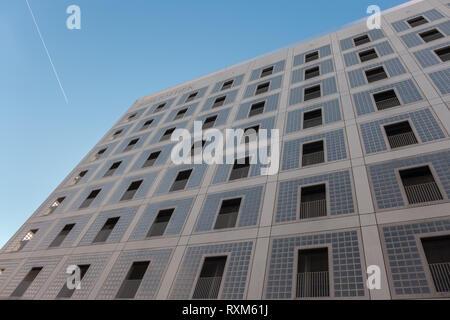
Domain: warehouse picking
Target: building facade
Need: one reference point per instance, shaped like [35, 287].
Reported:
[364, 180]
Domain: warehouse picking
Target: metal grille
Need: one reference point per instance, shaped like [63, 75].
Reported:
[312, 158]
[402, 139]
[207, 288]
[424, 192]
[441, 276]
[387, 103]
[313, 209]
[312, 284]
[312, 122]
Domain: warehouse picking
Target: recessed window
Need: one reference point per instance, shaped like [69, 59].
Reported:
[312, 73]
[228, 214]
[266, 72]
[431, 35]
[62, 235]
[197, 147]
[312, 92]
[133, 280]
[131, 191]
[220, 101]
[79, 177]
[2, 271]
[262, 88]
[116, 134]
[30, 235]
[26, 282]
[181, 180]
[240, 169]
[160, 224]
[159, 107]
[106, 230]
[417, 21]
[151, 159]
[312, 153]
[180, 114]
[420, 185]
[256, 108]
[55, 205]
[131, 145]
[386, 99]
[311, 56]
[208, 284]
[147, 124]
[375, 74]
[99, 154]
[167, 134]
[112, 169]
[191, 96]
[209, 122]
[250, 134]
[367, 55]
[131, 116]
[68, 293]
[312, 118]
[312, 273]
[400, 134]
[90, 198]
[227, 85]
[313, 202]
[438, 258]
[361, 40]
[443, 53]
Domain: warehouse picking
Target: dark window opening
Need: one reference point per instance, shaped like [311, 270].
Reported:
[151, 159]
[26, 282]
[400, 134]
[219, 102]
[90, 198]
[311, 56]
[420, 185]
[106, 230]
[62, 235]
[443, 53]
[418, 21]
[256, 108]
[55, 205]
[181, 180]
[99, 153]
[313, 153]
[79, 176]
[227, 85]
[251, 134]
[112, 169]
[160, 224]
[437, 252]
[131, 145]
[386, 99]
[30, 235]
[131, 116]
[313, 202]
[131, 191]
[209, 122]
[312, 72]
[167, 134]
[228, 214]
[147, 124]
[159, 108]
[312, 273]
[375, 74]
[240, 169]
[180, 114]
[208, 284]
[312, 118]
[133, 280]
[367, 55]
[266, 72]
[431, 35]
[312, 93]
[191, 96]
[262, 88]
[361, 40]
[117, 133]
[68, 293]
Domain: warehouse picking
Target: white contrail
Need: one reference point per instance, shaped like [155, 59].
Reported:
[45, 47]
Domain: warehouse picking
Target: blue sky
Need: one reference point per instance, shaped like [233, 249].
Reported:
[125, 50]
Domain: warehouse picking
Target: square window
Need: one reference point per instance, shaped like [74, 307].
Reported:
[167, 134]
[227, 85]
[209, 122]
[112, 169]
[131, 191]
[208, 284]
[228, 214]
[159, 107]
[90, 198]
[219, 102]
[312, 73]
[312, 118]
[361, 40]
[151, 159]
[431, 35]
[312, 273]
[313, 201]
[312, 92]
[133, 280]
[256, 108]
[99, 154]
[147, 124]
[181, 180]
[262, 88]
[443, 53]
[62, 235]
[131, 145]
[419, 185]
[160, 224]
[240, 169]
[386, 99]
[26, 282]
[180, 114]
[375, 74]
[266, 72]
[400, 134]
[55, 205]
[191, 96]
[313, 153]
[367, 55]
[417, 21]
[311, 56]
[106, 230]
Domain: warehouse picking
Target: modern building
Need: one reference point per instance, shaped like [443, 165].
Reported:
[364, 180]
